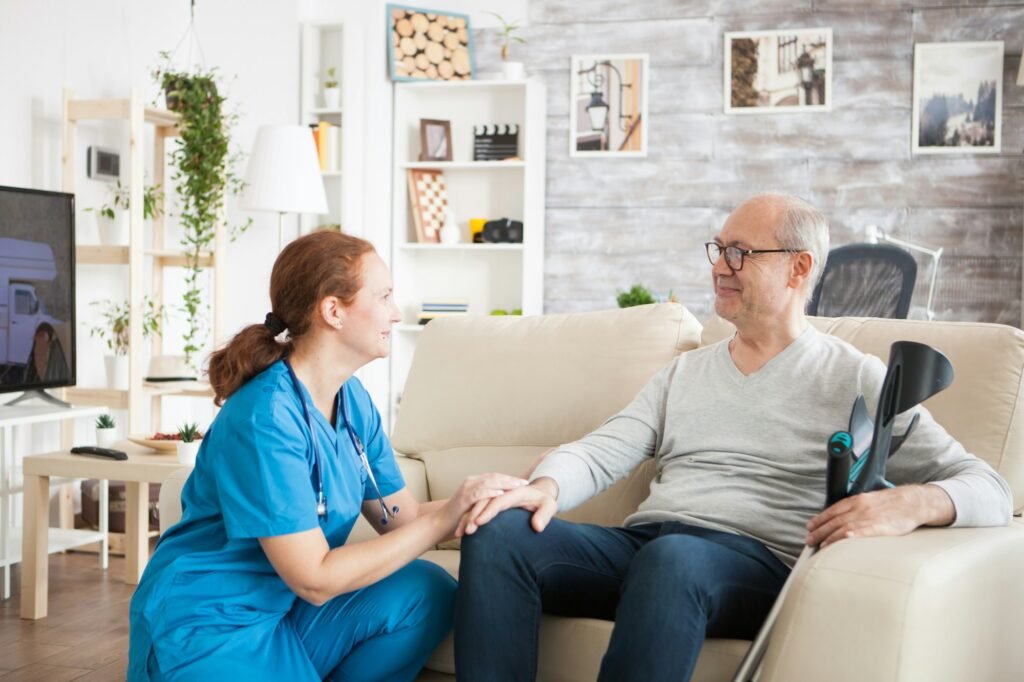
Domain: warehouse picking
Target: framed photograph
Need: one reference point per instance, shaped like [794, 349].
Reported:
[435, 140]
[771, 72]
[608, 105]
[428, 45]
[958, 98]
[428, 198]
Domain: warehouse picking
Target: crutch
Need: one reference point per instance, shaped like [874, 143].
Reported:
[916, 372]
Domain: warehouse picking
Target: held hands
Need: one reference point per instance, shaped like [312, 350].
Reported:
[538, 497]
[477, 490]
[895, 511]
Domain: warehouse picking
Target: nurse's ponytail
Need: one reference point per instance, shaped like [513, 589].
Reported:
[320, 264]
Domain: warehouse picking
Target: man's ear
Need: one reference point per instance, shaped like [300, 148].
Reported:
[801, 269]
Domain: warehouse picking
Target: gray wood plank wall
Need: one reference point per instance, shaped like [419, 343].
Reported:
[614, 222]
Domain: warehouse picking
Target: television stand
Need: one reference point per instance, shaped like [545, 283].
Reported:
[37, 393]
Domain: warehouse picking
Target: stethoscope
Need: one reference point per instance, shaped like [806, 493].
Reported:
[321, 501]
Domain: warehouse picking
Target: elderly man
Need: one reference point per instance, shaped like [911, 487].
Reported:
[738, 432]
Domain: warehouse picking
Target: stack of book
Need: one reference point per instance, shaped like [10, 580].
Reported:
[327, 138]
[430, 310]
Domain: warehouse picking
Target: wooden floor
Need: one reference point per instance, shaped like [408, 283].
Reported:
[85, 635]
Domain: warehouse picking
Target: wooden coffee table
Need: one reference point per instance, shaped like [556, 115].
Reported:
[143, 466]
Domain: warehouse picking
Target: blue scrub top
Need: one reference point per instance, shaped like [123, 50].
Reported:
[254, 477]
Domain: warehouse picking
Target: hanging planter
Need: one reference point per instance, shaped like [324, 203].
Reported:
[203, 175]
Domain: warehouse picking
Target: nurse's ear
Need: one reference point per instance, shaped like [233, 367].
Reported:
[332, 312]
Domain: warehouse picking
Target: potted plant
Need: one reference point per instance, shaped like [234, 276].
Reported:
[637, 295]
[512, 70]
[188, 446]
[332, 93]
[203, 175]
[106, 431]
[116, 333]
[110, 223]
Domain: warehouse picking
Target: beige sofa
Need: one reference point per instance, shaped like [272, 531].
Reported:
[489, 394]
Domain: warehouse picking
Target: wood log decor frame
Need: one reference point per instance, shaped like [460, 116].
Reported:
[428, 45]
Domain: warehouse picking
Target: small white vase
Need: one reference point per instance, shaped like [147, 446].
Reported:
[117, 371]
[513, 71]
[112, 232]
[105, 438]
[332, 98]
[187, 452]
[450, 231]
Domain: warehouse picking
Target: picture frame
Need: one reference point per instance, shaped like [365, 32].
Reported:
[958, 98]
[777, 71]
[425, 44]
[608, 105]
[435, 140]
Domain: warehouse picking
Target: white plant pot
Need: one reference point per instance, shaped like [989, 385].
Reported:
[112, 232]
[187, 452]
[117, 371]
[332, 98]
[513, 71]
[105, 438]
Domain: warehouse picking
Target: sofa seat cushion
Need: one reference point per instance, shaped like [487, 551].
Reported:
[571, 648]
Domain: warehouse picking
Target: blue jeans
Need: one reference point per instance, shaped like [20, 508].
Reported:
[666, 585]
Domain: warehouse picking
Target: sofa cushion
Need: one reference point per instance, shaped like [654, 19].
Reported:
[532, 381]
[982, 408]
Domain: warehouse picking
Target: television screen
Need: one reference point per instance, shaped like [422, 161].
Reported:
[37, 289]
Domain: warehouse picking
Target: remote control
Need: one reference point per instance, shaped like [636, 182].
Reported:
[95, 451]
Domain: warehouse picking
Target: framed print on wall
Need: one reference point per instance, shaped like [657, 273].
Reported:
[958, 98]
[428, 45]
[608, 105]
[785, 70]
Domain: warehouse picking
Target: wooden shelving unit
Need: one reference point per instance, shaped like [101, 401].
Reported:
[135, 256]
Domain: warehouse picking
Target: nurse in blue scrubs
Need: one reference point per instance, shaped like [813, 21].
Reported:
[257, 581]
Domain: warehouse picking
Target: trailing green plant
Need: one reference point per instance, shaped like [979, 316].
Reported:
[116, 330]
[204, 175]
[331, 77]
[637, 295]
[508, 30]
[189, 432]
[105, 421]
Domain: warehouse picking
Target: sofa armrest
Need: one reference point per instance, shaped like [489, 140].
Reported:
[415, 475]
[938, 604]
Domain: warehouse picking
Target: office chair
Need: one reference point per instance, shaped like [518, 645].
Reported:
[865, 280]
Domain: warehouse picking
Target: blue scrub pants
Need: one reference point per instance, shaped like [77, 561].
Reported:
[666, 585]
[385, 631]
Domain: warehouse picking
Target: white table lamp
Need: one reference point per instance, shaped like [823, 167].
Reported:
[284, 174]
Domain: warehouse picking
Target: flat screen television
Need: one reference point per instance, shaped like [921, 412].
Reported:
[37, 290]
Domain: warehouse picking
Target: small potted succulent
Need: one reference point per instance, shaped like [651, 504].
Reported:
[512, 70]
[332, 93]
[106, 431]
[188, 445]
[637, 295]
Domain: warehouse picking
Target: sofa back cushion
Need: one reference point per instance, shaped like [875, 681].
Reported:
[493, 393]
[982, 408]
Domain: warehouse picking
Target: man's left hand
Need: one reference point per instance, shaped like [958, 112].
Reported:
[895, 511]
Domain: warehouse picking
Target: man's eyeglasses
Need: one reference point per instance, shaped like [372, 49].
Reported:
[734, 255]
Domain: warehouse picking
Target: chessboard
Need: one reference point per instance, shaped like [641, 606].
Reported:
[428, 198]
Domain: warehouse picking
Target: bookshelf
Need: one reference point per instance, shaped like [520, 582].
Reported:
[486, 276]
[321, 48]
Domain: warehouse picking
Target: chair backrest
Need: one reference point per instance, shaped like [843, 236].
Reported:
[169, 503]
[865, 280]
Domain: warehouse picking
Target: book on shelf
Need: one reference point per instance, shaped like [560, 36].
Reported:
[326, 137]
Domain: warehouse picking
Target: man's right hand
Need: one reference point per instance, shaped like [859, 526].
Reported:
[538, 497]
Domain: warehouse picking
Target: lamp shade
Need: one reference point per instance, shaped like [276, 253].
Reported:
[284, 172]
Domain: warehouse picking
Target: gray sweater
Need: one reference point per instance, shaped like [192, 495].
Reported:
[746, 454]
